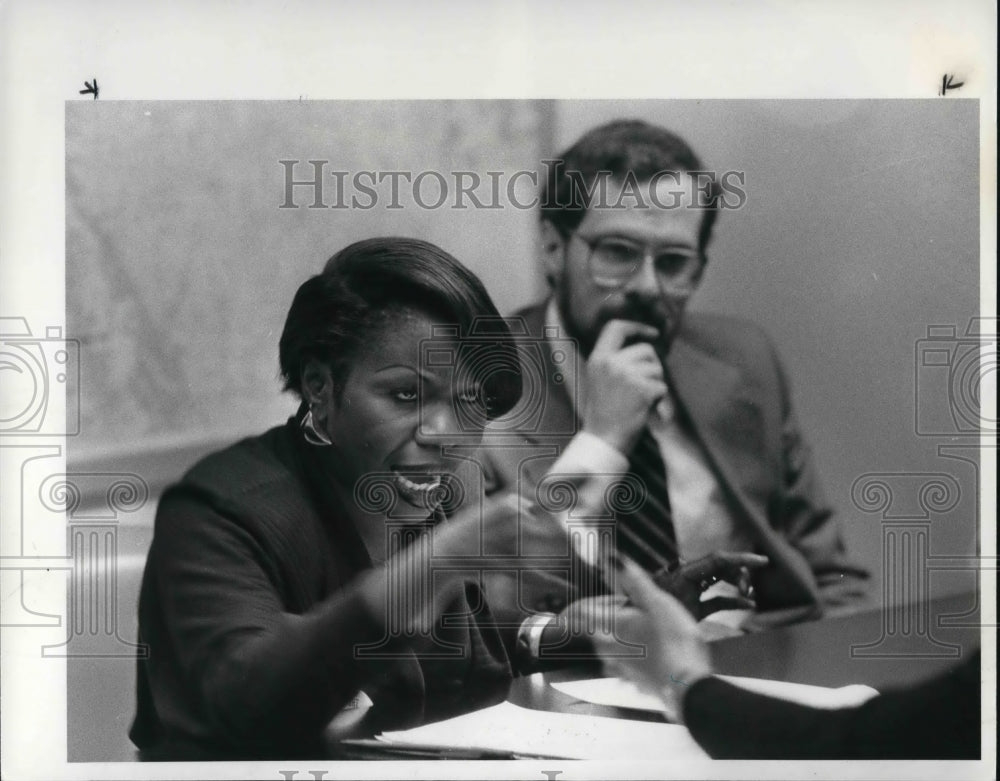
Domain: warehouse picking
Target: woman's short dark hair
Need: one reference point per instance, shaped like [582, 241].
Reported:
[621, 148]
[365, 284]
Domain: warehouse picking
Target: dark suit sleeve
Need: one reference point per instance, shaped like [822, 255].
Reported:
[939, 719]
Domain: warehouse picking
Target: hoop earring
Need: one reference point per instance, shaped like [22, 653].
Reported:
[312, 433]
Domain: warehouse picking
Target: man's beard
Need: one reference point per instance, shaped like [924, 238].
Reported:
[663, 314]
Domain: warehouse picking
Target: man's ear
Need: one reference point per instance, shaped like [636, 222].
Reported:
[552, 253]
[317, 388]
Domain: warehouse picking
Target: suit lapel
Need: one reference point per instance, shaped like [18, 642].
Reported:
[556, 421]
[557, 417]
[727, 419]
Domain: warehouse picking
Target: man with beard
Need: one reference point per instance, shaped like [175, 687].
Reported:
[693, 409]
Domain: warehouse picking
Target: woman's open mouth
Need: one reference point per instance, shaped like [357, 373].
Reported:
[418, 485]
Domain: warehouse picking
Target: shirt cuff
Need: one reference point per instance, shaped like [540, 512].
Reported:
[587, 452]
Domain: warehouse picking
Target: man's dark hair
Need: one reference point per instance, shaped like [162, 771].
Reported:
[628, 147]
[365, 285]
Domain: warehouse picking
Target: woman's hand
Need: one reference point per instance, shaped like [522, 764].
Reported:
[510, 526]
[413, 579]
[673, 655]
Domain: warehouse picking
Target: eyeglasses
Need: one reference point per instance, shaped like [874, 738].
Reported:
[613, 261]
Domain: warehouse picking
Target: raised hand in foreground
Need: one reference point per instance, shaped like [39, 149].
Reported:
[674, 655]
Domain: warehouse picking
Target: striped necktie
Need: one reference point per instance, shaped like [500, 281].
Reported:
[647, 534]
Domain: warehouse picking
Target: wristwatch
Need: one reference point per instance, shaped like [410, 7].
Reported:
[529, 640]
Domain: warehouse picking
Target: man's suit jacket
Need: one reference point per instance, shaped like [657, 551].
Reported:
[726, 378]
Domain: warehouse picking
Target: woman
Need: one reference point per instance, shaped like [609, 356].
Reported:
[287, 587]
[938, 719]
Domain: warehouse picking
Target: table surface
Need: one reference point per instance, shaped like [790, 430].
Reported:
[878, 648]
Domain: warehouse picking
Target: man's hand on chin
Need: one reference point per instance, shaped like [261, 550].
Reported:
[624, 381]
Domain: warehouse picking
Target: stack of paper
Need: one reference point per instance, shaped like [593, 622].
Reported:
[522, 731]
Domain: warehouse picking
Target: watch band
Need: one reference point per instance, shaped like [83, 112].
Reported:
[529, 640]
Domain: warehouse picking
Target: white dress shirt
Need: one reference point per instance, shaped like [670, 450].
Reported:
[702, 521]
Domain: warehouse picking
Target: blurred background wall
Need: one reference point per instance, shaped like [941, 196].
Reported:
[181, 265]
[860, 232]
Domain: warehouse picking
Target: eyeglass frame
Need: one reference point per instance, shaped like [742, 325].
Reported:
[649, 252]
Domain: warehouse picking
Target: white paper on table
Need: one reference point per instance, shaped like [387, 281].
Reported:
[620, 693]
[615, 692]
[509, 727]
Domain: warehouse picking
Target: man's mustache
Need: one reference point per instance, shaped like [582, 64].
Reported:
[664, 315]
[655, 315]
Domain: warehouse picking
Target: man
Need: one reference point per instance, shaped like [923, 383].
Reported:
[699, 400]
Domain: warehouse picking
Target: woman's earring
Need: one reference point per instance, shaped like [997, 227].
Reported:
[312, 433]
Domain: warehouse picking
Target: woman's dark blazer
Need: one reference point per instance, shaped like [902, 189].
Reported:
[256, 633]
